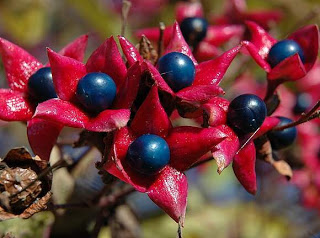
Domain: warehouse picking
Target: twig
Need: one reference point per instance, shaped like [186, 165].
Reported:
[105, 201]
[103, 192]
[70, 205]
[312, 114]
[126, 5]
[179, 232]
[313, 110]
[101, 217]
[107, 204]
[112, 199]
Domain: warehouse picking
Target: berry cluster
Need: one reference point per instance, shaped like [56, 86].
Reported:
[134, 100]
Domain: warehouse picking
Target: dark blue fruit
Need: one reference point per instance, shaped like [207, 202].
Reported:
[303, 102]
[284, 138]
[177, 69]
[96, 92]
[194, 29]
[40, 85]
[246, 113]
[282, 50]
[148, 154]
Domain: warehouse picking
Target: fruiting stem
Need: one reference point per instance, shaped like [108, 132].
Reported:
[162, 27]
[312, 114]
[272, 86]
[126, 5]
[312, 111]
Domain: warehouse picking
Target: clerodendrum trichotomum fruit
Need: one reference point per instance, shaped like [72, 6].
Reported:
[177, 69]
[148, 154]
[282, 50]
[40, 85]
[284, 138]
[96, 92]
[246, 113]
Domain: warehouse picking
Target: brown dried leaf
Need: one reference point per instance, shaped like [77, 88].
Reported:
[38, 206]
[147, 51]
[20, 157]
[18, 154]
[4, 201]
[283, 168]
[14, 180]
[22, 192]
[264, 150]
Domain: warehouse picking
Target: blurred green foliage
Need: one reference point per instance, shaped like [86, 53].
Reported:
[33, 227]
[26, 21]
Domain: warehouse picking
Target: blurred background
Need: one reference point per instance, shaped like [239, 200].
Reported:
[217, 206]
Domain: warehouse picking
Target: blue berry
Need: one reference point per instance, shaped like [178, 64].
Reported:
[284, 138]
[303, 102]
[246, 113]
[282, 50]
[96, 92]
[177, 69]
[194, 29]
[40, 85]
[148, 154]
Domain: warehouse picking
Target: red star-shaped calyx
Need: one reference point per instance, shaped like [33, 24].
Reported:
[229, 150]
[291, 68]
[66, 72]
[207, 77]
[236, 13]
[168, 188]
[17, 104]
[215, 37]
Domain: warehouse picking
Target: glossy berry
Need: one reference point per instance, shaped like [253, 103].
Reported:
[303, 102]
[194, 29]
[177, 69]
[284, 138]
[96, 92]
[40, 85]
[148, 154]
[246, 113]
[282, 50]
